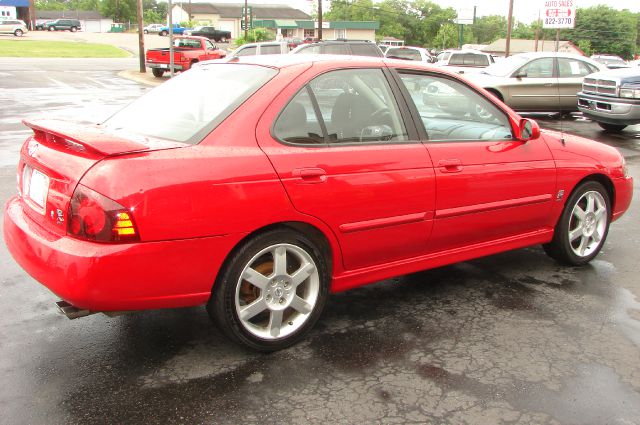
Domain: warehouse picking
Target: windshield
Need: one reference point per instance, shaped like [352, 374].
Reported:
[506, 66]
[407, 54]
[186, 108]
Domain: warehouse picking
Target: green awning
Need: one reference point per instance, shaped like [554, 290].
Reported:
[286, 23]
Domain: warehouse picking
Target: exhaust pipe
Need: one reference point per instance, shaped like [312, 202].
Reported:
[72, 312]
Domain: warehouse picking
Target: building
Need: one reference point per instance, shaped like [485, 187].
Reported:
[498, 47]
[90, 20]
[281, 20]
[15, 9]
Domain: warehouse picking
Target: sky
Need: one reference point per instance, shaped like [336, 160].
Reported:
[524, 10]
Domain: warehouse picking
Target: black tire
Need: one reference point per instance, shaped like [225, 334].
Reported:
[231, 292]
[52, 28]
[612, 127]
[562, 248]
[162, 33]
[18, 33]
[157, 72]
[73, 29]
[145, 31]
[223, 39]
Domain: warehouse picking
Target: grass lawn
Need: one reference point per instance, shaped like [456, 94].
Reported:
[58, 49]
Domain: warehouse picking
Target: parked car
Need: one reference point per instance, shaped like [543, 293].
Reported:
[42, 26]
[177, 30]
[383, 47]
[537, 82]
[612, 98]
[293, 42]
[153, 28]
[211, 33]
[72, 25]
[339, 47]
[611, 61]
[464, 61]
[13, 26]
[263, 48]
[408, 53]
[259, 196]
[187, 51]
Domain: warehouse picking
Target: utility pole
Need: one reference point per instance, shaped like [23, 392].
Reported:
[509, 25]
[246, 24]
[143, 68]
[171, 63]
[319, 19]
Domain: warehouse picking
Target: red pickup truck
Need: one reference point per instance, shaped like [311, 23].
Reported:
[186, 52]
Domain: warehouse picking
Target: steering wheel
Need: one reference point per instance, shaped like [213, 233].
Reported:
[380, 113]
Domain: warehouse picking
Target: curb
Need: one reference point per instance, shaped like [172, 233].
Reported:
[146, 78]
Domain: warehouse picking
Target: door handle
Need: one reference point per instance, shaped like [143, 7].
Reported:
[450, 165]
[310, 175]
[548, 84]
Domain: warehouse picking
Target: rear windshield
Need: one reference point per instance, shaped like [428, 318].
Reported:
[407, 54]
[189, 106]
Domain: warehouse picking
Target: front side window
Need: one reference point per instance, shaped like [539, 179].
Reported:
[209, 45]
[345, 106]
[336, 49]
[537, 68]
[452, 111]
[247, 51]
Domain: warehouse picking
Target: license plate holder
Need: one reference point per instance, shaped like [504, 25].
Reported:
[38, 189]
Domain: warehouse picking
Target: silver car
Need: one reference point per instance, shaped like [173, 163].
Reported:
[538, 82]
[13, 26]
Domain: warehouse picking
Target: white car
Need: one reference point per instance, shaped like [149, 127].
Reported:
[153, 28]
[409, 53]
[462, 61]
[13, 26]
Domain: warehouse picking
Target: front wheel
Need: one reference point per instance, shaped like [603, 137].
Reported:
[73, 29]
[271, 292]
[18, 33]
[583, 225]
[157, 72]
[145, 31]
[52, 28]
[223, 39]
[611, 127]
[163, 33]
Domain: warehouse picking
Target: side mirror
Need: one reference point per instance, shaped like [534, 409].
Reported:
[529, 130]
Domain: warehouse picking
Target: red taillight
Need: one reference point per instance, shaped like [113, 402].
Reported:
[95, 217]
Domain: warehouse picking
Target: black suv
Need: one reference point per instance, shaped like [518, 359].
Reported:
[72, 25]
[340, 47]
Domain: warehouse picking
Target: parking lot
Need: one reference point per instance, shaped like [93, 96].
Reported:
[511, 338]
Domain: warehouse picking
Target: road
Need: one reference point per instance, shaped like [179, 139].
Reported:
[511, 338]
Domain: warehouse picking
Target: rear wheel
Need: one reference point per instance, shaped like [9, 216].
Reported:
[583, 226]
[611, 127]
[157, 72]
[18, 33]
[73, 29]
[223, 39]
[271, 292]
[163, 33]
[146, 32]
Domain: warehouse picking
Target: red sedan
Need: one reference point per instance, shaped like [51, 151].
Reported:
[285, 178]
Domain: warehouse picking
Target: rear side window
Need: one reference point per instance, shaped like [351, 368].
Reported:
[407, 54]
[272, 49]
[310, 50]
[366, 50]
[572, 68]
[336, 49]
[247, 51]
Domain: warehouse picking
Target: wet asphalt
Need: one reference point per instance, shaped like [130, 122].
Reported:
[511, 338]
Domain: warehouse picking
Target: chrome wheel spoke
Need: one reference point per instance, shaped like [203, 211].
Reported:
[596, 236]
[300, 305]
[575, 234]
[275, 322]
[280, 261]
[584, 242]
[590, 203]
[600, 214]
[579, 213]
[255, 278]
[302, 274]
[253, 309]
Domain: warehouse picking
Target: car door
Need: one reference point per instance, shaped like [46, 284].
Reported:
[490, 187]
[346, 155]
[534, 87]
[571, 72]
[210, 50]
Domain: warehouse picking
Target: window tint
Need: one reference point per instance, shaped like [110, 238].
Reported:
[356, 106]
[538, 68]
[452, 111]
[572, 68]
[407, 54]
[336, 49]
[273, 49]
[247, 51]
[363, 49]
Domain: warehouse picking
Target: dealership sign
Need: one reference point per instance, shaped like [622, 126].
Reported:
[559, 14]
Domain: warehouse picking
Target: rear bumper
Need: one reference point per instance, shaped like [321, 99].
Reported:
[115, 277]
[176, 67]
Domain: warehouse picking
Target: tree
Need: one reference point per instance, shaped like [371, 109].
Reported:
[488, 29]
[447, 37]
[119, 10]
